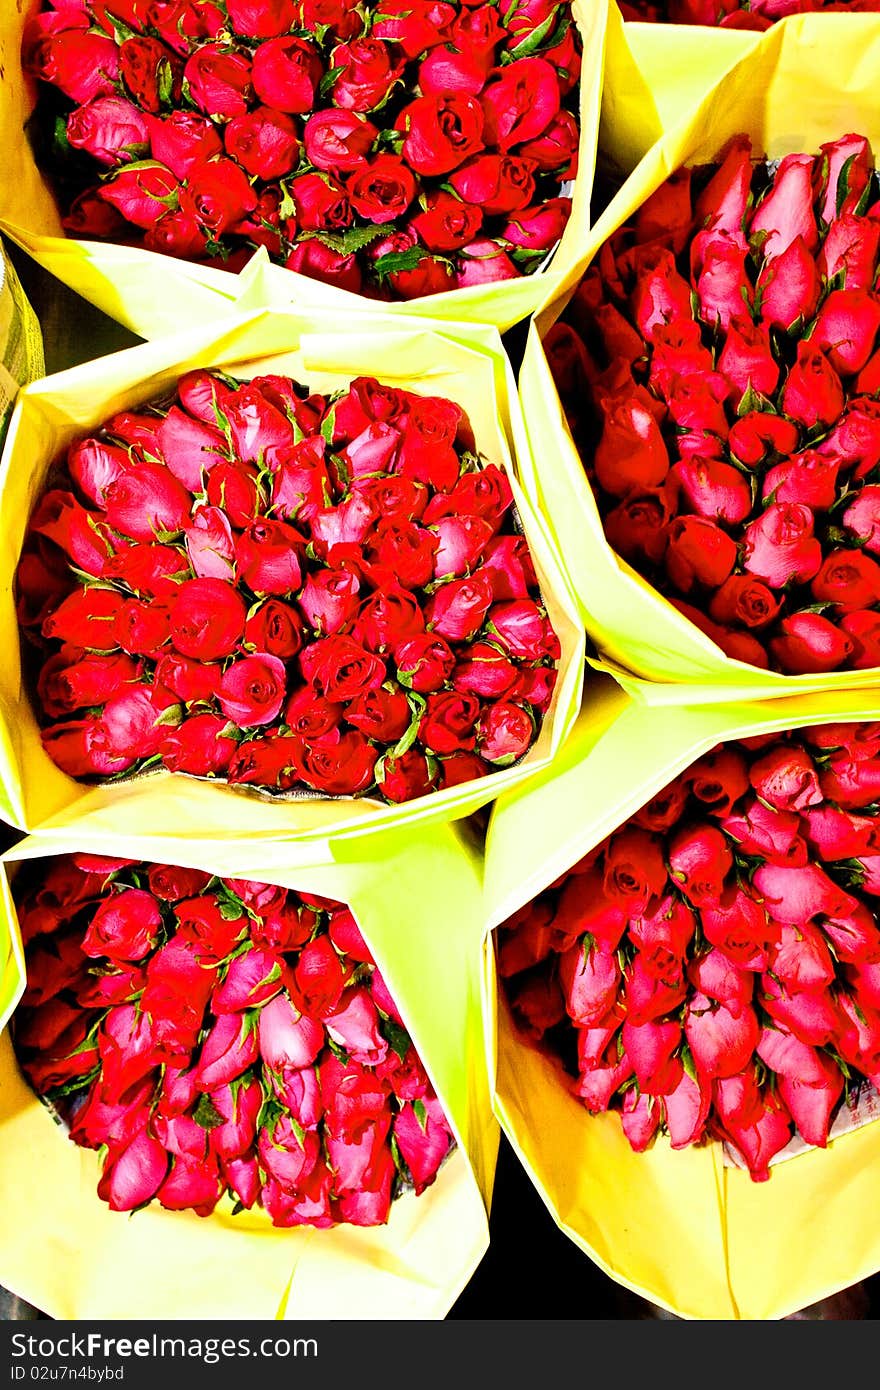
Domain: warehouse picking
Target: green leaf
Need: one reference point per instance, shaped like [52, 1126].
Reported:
[327, 81]
[394, 262]
[173, 715]
[206, 1114]
[421, 1115]
[347, 243]
[687, 1062]
[532, 41]
[397, 1037]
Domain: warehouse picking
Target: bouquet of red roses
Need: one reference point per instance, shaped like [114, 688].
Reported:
[292, 592]
[719, 370]
[735, 14]
[711, 970]
[399, 149]
[220, 1039]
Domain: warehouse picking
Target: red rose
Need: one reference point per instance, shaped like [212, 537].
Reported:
[631, 452]
[286, 72]
[699, 861]
[660, 295]
[267, 557]
[338, 141]
[86, 618]
[274, 627]
[718, 261]
[83, 65]
[262, 19]
[848, 159]
[110, 129]
[786, 209]
[337, 764]
[416, 25]
[808, 477]
[458, 609]
[66, 685]
[521, 103]
[441, 132]
[181, 140]
[448, 723]
[424, 663]
[406, 551]
[849, 580]
[340, 669]
[745, 601]
[780, 545]
[506, 732]
[721, 1041]
[747, 359]
[219, 80]
[124, 927]
[789, 287]
[381, 190]
[846, 328]
[252, 689]
[368, 73]
[447, 223]
[207, 618]
[698, 552]
[813, 393]
[150, 71]
[850, 249]
[863, 630]
[382, 715]
[808, 642]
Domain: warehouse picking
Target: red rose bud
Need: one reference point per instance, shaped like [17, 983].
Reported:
[722, 285]
[786, 210]
[110, 129]
[368, 74]
[133, 1173]
[849, 580]
[181, 140]
[850, 251]
[789, 287]
[699, 552]
[267, 558]
[634, 869]
[747, 359]
[809, 478]
[631, 452]
[82, 65]
[538, 228]
[722, 981]
[846, 328]
[720, 1041]
[463, 540]
[856, 437]
[521, 103]
[252, 690]
[660, 295]
[699, 861]
[739, 927]
[142, 194]
[338, 142]
[484, 671]
[863, 630]
[189, 447]
[207, 618]
[652, 1048]
[380, 714]
[813, 394]
[786, 777]
[441, 132]
[250, 980]
[482, 262]
[780, 545]
[809, 1083]
[408, 775]
[145, 500]
[713, 489]
[798, 895]
[288, 1038]
[723, 202]
[125, 927]
[808, 642]
[63, 688]
[218, 80]
[320, 262]
[423, 1142]
[201, 745]
[590, 980]
[745, 601]
[505, 733]
[849, 172]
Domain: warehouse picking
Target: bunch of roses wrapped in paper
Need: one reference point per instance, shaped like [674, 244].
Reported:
[719, 370]
[712, 969]
[735, 14]
[221, 1038]
[292, 592]
[399, 149]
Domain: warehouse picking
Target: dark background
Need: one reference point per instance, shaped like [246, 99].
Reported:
[531, 1269]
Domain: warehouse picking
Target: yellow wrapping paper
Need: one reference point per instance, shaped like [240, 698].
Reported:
[123, 282]
[654, 76]
[418, 904]
[837, 59]
[678, 1227]
[464, 363]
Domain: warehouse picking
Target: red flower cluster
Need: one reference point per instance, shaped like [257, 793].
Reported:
[735, 14]
[221, 1037]
[289, 591]
[722, 350]
[712, 969]
[395, 147]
